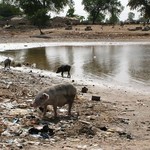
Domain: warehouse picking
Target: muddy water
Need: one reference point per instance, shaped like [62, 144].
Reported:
[120, 64]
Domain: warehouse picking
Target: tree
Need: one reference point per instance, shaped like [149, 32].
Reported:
[115, 8]
[96, 8]
[37, 10]
[70, 12]
[131, 16]
[100, 18]
[8, 10]
[143, 6]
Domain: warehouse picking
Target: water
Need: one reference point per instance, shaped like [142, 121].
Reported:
[127, 65]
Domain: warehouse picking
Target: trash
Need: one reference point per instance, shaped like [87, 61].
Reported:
[125, 135]
[95, 98]
[48, 130]
[3, 127]
[82, 147]
[103, 128]
[15, 120]
[33, 131]
[7, 105]
[44, 135]
[88, 130]
[84, 90]
[18, 111]
[45, 132]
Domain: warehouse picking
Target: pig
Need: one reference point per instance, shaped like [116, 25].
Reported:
[57, 95]
[7, 63]
[64, 68]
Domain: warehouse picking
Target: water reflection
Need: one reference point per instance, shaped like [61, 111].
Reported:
[128, 64]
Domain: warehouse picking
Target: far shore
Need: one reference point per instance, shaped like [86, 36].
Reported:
[77, 34]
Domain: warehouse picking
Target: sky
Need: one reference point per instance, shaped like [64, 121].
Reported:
[79, 10]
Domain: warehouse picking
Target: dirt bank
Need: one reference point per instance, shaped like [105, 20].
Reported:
[78, 33]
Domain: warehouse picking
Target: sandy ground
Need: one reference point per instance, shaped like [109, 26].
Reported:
[119, 121]
[78, 33]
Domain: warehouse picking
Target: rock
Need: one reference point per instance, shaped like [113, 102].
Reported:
[88, 28]
[69, 27]
[147, 28]
[125, 135]
[82, 147]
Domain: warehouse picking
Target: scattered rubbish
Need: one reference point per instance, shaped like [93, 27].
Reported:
[45, 132]
[33, 131]
[88, 130]
[103, 128]
[125, 135]
[95, 98]
[124, 120]
[22, 126]
[84, 90]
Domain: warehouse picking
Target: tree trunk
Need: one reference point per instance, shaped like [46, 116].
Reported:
[41, 33]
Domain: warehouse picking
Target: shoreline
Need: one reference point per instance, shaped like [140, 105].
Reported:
[24, 45]
[86, 81]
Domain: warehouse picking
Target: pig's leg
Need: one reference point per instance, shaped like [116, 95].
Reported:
[69, 74]
[55, 111]
[44, 110]
[9, 65]
[69, 108]
[62, 73]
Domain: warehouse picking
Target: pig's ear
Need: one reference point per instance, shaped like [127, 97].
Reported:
[45, 96]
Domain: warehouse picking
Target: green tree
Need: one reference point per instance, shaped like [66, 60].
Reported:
[143, 6]
[8, 10]
[37, 10]
[97, 7]
[131, 16]
[71, 10]
[115, 9]
[100, 18]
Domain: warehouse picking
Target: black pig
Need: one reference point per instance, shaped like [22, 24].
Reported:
[7, 63]
[64, 68]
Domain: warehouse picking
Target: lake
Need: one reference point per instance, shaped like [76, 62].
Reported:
[120, 64]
